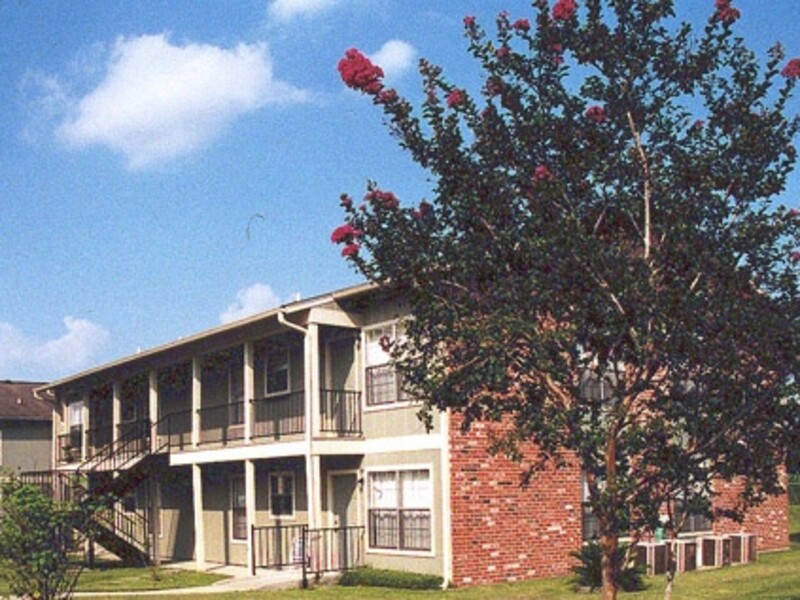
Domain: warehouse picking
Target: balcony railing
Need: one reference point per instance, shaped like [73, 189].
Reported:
[278, 416]
[69, 446]
[222, 424]
[340, 412]
[99, 436]
[174, 430]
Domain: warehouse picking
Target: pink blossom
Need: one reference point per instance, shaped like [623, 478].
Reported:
[379, 197]
[542, 173]
[564, 10]
[794, 257]
[699, 124]
[495, 86]
[358, 72]
[793, 212]
[386, 96]
[424, 210]
[725, 12]
[455, 98]
[345, 233]
[469, 21]
[346, 201]
[522, 25]
[792, 69]
[502, 52]
[596, 114]
[351, 249]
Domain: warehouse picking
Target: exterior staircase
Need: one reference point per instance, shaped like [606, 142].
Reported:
[103, 481]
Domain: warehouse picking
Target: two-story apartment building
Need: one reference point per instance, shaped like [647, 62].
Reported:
[25, 428]
[220, 447]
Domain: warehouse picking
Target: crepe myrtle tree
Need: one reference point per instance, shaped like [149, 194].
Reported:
[603, 265]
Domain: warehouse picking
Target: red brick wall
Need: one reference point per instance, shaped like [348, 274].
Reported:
[503, 531]
[769, 521]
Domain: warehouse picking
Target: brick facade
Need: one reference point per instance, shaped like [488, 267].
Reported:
[501, 530]
[769, 521]
[504, 531]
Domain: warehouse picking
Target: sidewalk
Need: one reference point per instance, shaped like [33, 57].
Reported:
[239, 580]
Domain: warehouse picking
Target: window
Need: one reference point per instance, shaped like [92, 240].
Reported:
[236, 394]
[696, 521]
[75, 424]
[276, 369]
[590, 525]
[383, 382]
[238, 508]
[281, 495]
[400, 510]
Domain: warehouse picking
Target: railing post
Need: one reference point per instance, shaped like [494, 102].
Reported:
[253, 550]
[304, 556]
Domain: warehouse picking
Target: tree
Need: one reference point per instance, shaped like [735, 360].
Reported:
[603, 264]
[37, 536]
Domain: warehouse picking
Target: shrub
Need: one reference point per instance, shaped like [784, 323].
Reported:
[589, 572]
[387, 578]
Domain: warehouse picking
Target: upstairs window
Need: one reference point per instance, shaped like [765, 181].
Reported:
[383, 382]
[276, 371]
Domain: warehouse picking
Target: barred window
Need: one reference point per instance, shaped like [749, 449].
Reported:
[238, 508]
[383, 382]
[281, 495]
[400, 510]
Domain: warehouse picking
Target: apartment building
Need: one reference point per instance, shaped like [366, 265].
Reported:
[287, 435]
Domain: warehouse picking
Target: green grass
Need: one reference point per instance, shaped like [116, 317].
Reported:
[776, 576]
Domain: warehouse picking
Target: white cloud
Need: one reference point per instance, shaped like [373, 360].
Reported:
[249, 301]
[395, 58]
[160, 101]
[76, 348]
[286, 10]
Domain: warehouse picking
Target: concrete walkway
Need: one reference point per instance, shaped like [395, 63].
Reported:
[239, 580]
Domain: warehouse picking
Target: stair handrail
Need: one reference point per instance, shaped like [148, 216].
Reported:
[139, 434]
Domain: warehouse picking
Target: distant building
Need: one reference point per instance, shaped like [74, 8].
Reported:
[25, 428]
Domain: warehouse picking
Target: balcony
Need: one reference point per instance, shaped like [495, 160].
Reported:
[279, 416]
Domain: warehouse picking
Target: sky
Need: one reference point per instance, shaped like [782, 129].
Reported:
[167, 166]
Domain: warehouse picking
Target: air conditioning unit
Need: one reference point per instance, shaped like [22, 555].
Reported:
[743, 548]
[654, 556]
[686, 554]
[715, 551]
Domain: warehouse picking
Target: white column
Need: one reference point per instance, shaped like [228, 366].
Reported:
[249, 389]
[85, 428]
[199, 533]
[311, 371]
[312, 339]
[197, 390]
[152, 399]
[116, 409]
[250, 508]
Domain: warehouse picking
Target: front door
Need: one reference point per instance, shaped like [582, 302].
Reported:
[345, 519]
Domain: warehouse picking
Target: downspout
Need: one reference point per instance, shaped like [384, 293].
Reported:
[311, 484]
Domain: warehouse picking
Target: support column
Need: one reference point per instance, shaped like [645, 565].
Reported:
[249, 389]
[85, 428]
[155, 520]
[311, 370]
[315, 379]
[199, 533]
[116, 409]
[250, 509]
[197, 390]
[152, 400]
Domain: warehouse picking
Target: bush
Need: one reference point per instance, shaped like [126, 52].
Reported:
[387, 578]
[589, 572]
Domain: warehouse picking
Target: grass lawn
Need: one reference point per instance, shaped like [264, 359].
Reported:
[775, 576]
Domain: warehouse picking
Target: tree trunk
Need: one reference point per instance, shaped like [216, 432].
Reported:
[608, 538]
[609, 545]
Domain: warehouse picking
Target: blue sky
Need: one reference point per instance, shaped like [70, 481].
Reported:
[166, 166]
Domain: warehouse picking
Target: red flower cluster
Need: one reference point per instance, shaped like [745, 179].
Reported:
[469, 21]
[725, 12]
[351, 249]
[564, 10]
[345, 233]
[501, 52]
[455, 98]
[358, 72]
[346, 201]
[386, 96]
[792, 69]
[424, 210]
[387, 199]
[542, 173]
[596, 114]
[522, 25]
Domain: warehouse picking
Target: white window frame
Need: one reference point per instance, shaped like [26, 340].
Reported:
[367, 496]
[400, 401]
[293, 478]
[288, 390]
[231, 485]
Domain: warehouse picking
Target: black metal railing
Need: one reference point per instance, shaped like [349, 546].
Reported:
[318, 551]
[333, 549]
[221, 424]
[276, 547]
[277, 416]
[132, 445]
[340, 412]
[99, 436]
[174, 430]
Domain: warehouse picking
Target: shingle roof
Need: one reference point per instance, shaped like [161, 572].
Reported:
[18, 402]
